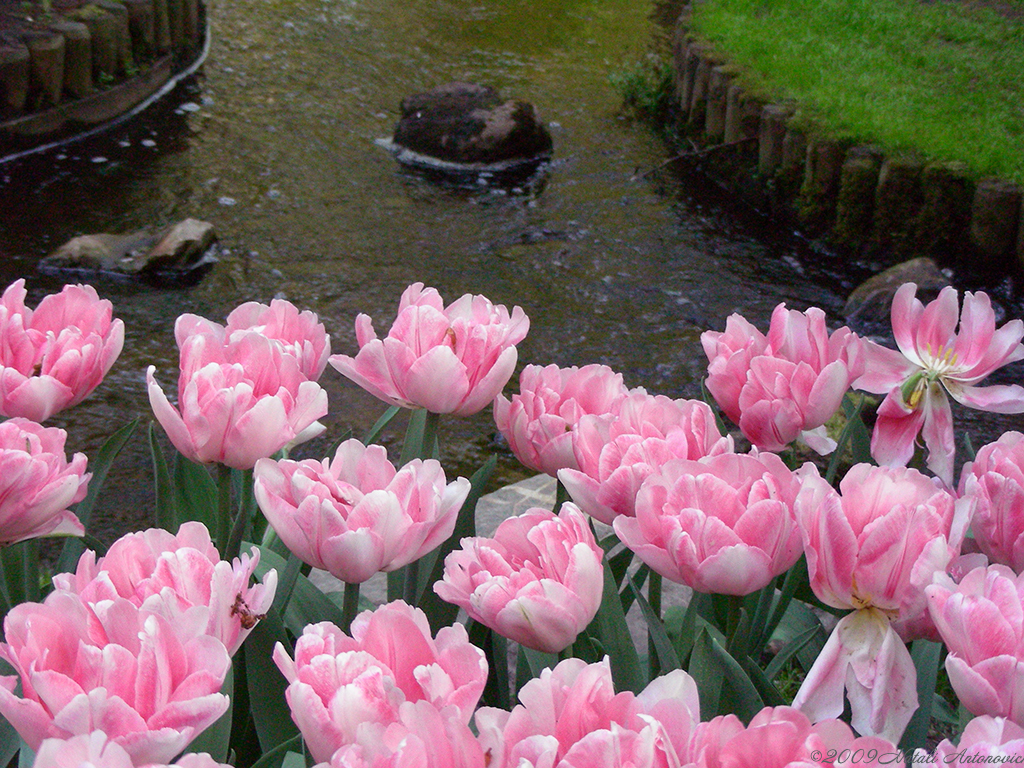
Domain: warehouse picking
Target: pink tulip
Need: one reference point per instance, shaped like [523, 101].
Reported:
[239, 399]
[995, 481]
[872, 548]
[340, 684]
[37, 484]
[981, 620]
[615, 455]
[120, 669]
[96, 750]
[421, 737]
[538, 422]
[539, 581]
[300, 334]
[180, 577]
[723, 524]
[985, 740]
[571, 717]
[357, 515]
[786, 385]
[782, 736]
[453, 359]
[55, 356]
[934, 359]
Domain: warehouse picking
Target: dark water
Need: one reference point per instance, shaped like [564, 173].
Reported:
[274, 144]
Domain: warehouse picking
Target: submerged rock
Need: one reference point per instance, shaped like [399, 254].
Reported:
[469, 127]
[178, 255]
[870, 302]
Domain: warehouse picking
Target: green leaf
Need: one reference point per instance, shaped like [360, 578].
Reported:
[167, 516]
[10, 742]
[667, 657]
[99, 467]
[790, 649]
[609, 628]
[267, 685]
[293, 760]
[927, 656]
[214, 740]
[800, 618]
[195, 493]
[26, 758]
[720, 677]
[308, 605]
[412, 446]
[379, 426]
[765, 687]
[681, 624]
[440, 613]
[275, 758]
[495, 648]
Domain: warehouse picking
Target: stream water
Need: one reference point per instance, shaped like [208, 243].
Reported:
[274, 144]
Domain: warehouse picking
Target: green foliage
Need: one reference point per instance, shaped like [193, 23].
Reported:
[646, 87]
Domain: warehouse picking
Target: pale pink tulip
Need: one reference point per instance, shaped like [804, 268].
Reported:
[995, 481]
[723, 524]
[872, 548]
[981, 620]
[37, 483]
[96, 750]
[357, 515]
[539, 581]
[985, 741]
[339, 684]
[782, 736]
[571, 717]
[179, 576]
[119, 669]
[55, 356]
[300, 334]
[538, 422]
[453, 359]
[616, 452]
[421, 737]
[239, 399]
[936, 358]
[787, 384]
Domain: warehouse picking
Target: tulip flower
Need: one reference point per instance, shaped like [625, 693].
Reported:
[936, 358]
[179, 576]
[539, 581]
[239, 399]
[872, 548]
[571, 717]
[357, 515]
[782, 736]
[55, 356]
[37, 483]
[985, 741]
[787, 384]
[97, 749]
[298, 334]
[121, 670]
[981, 620]
[339, 685]
[616, 452]
[538, 422]
[995, 481]
[722, 525]
[453, 359]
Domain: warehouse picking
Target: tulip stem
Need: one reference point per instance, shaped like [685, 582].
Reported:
[733, 620]
[412, 578]
[223, 507]
[561, 496]
[654, 600]
[430, 446]
[350, 606]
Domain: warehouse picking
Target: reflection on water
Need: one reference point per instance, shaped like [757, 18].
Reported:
[274, 144]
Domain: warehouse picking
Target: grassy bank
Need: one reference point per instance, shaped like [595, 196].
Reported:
[943, 78]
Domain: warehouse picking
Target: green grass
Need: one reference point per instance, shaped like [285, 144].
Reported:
[938, 78]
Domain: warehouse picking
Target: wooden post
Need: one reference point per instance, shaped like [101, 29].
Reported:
[855, 203]
[77, 57]
[742, 115]
[718, 92]
[46, 59]
[816, 206]
[995, 214]
[14, 74]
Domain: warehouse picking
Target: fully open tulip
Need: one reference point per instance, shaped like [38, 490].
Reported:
[179, 576]
[340, 684]
[936, 358]
[356, 515]
[121, 670]
[37, 484]
[981, 620]
[239, 399]
[985, 741]
[784, 385]
[571, 717]
[452, 359]
[872, 548]
[723, 524]
[97, 749]
[782, 736]
[538, 422]
[995, 480]
[618, 451]
[53, 357]
[539, 581]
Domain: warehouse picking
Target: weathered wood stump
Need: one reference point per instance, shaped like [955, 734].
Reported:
[699, 95]
[46, 59]
[995, 214]
[855, 203]
[944, 220]
[105, 40]
[14, 74]
[77, 57]
[141, 25]
[718, 93]
[897, 205]
[742, 115]
[824, 164]
[771, 132]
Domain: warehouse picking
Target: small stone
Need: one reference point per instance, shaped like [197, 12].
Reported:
[148, 143]
[229, 201]
[189, 106]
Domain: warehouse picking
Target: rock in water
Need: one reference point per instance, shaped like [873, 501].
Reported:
[870, 303]
[468, 124]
